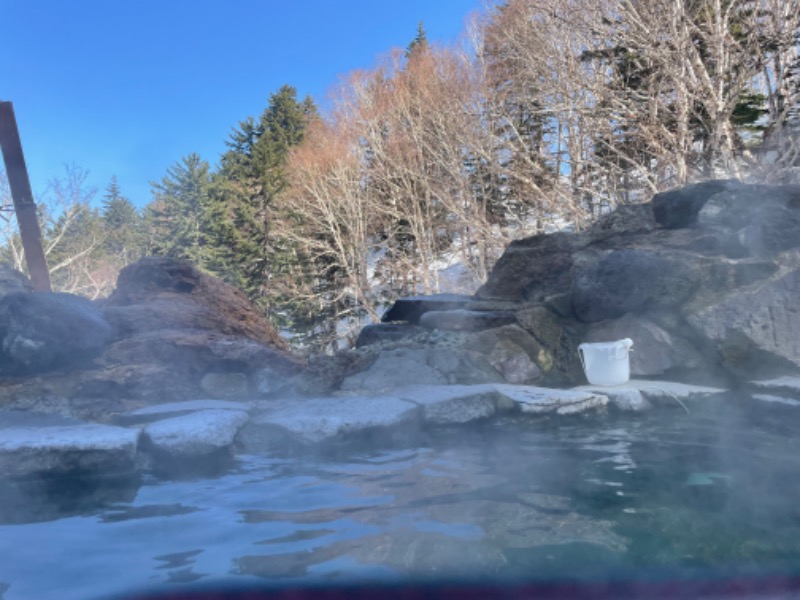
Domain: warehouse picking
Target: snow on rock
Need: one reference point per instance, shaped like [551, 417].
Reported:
[320, 419]
[43, 444]
[195, 434]
[538, 400]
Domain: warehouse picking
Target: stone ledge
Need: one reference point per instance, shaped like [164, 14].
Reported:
[321, 419]
[196, 434]
[639, 394]
[40, 444]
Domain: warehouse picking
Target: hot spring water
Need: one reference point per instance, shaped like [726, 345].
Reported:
[577, 497]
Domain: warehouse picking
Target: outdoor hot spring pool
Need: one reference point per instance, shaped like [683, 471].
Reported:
[718, 488]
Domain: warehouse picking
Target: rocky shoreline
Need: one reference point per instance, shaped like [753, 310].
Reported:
[183, 434]
[704, 280]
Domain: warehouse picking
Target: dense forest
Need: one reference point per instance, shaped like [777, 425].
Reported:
[546, 110]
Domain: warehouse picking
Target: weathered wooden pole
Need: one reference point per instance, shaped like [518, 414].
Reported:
[24, 206]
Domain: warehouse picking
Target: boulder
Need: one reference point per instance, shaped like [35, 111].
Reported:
[631, 280]
[159, 293]
[765, 220]
[513, 363]
[422, 365]
[755, 331]
[224, 385]
[42, 331]
[194, 435]
[165, 311]
[168, 332]
[703, 279]
[454, 404]
[513, 353]
[316, 420]
[33, 444]
[532, 269]
[680, 207]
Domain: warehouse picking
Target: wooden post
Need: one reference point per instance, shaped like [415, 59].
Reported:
[24, 206]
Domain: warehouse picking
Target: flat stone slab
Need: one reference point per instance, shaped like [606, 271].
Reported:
[451, 404]
[44, 444]
[157, 412]
[789, 386]
[539, 400]
[320, 419]
[196, 434]
[637, 394]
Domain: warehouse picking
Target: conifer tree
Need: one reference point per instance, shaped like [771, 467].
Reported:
[251, 181]
[419, 43]
[124, 240]
[181, 212]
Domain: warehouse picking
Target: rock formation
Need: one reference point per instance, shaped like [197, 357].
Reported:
[704, 279]
[168, 332]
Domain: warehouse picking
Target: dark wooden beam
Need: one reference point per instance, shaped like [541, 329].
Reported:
[24, 206]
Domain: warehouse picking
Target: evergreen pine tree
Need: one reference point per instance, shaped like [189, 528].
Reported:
[419, 43]
[124, 239]
[182, 212]
[251, 180]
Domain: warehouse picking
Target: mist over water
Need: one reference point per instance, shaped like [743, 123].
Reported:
[717, 488]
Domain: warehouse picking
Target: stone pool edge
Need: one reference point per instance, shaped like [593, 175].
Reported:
[37, 444]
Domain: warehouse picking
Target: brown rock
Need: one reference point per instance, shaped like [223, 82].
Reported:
[157, 293]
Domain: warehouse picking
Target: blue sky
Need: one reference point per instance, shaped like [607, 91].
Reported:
[126, 88]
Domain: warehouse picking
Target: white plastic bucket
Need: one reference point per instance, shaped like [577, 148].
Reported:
[607, 363]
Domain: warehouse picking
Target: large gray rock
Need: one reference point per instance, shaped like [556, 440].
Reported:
[316, 420]
[224, 385]
[196, 434]
[764, 227]
[453, 404]
[422, 365]
[631, 280]
[680, 207]
[756, 329]
[42, 331]
[532, 269]
[33, 444]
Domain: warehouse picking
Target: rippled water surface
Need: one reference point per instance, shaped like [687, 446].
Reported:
[517, 498]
